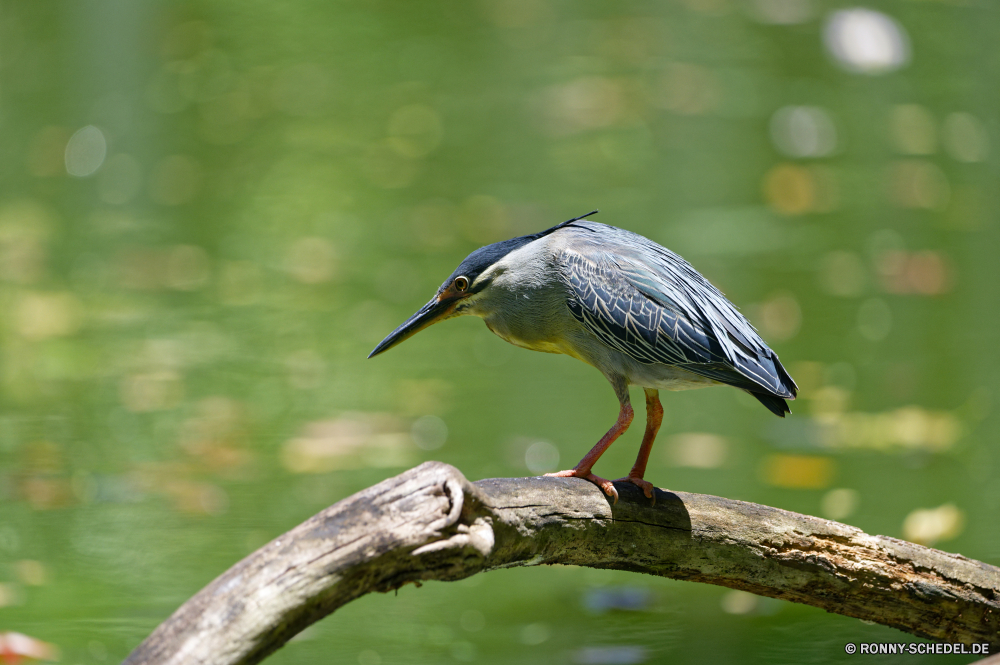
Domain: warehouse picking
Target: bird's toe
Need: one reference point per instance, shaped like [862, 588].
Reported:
[606, 485]
[647, 487]
[568, 473]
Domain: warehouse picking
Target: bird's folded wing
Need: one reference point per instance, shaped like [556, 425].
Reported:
[668, 313]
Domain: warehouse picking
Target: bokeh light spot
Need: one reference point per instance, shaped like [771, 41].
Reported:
[141, 267]
[45, 315]
[790, 189]
[803, 131]
[155, 390]
[611, 655]
[463, 651]
[838, 504]
[829, 402]
[908, 428]
[698, 450]
[927, 273]
[534, 634]
[965, 137]
[352, 441]
[866, 41]
[585, 103]
[17, 646]
[882, 241]
[842, 274]
[85, 151]
[917, 183]
[688, 89]
[808, 375]
[197, 498]
[31, 572]
[739, 602]
[429, 432]
[797, 471]
[930, 525]
[24, 229]
[780, 317]
[541, 457]
[912, 128]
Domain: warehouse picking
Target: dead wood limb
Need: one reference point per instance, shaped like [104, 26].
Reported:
[430, 523]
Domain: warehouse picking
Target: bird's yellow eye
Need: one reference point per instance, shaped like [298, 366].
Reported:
[461, 283]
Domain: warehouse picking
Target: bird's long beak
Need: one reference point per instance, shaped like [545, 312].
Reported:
[434, 311]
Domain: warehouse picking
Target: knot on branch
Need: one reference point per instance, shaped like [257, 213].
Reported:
[462, 527]
[478, 536]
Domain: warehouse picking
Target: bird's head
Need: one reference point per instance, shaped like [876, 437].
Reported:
[459, 293]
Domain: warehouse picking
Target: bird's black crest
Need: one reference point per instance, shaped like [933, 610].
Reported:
[481, 259]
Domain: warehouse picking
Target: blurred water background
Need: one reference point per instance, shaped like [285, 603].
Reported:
[211, 211]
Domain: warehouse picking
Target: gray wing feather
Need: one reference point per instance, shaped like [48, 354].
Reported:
[648, 303]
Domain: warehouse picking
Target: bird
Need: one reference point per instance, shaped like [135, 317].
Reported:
[631, 308]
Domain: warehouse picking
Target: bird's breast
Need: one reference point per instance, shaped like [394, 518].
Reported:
[526, 336]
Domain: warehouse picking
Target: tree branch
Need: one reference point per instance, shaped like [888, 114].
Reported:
[430, 523]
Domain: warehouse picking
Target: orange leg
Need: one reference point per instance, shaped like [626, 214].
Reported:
[582, 470]
[654, 417]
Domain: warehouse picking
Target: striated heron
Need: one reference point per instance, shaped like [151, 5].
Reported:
[636, 311]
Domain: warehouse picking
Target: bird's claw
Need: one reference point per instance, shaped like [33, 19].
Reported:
[603, 483]
[647, 487]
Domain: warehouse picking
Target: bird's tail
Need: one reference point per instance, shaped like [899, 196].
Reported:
[776, 405]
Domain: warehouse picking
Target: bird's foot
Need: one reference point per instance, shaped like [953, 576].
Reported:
[647, 487]
[603, 483]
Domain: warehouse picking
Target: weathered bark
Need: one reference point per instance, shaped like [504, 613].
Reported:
[430, 523]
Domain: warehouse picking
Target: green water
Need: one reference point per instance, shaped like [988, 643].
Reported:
[211, 212]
